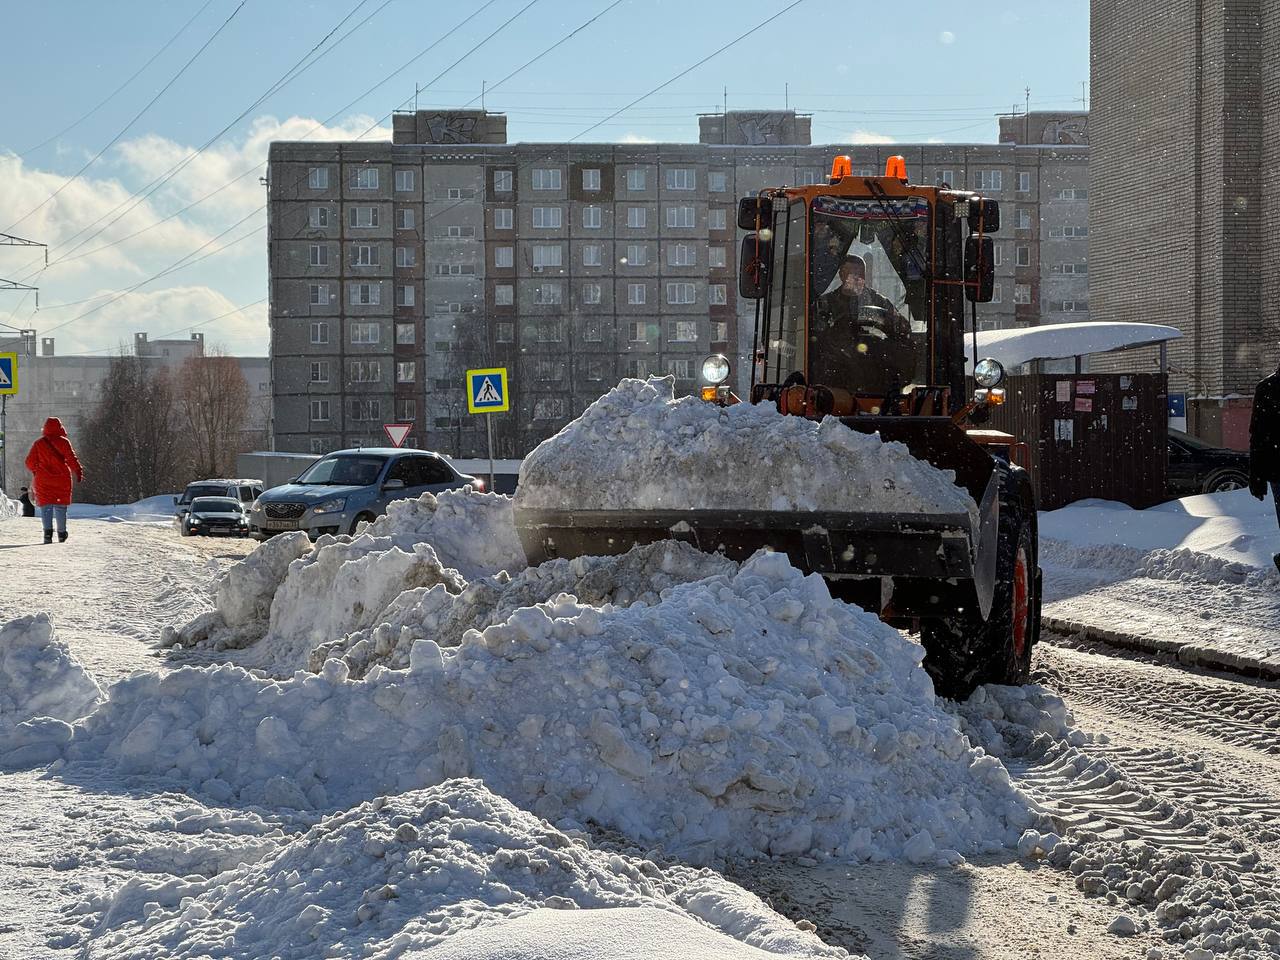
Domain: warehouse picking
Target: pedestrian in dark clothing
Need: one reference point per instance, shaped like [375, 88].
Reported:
[1264, 443]
[28, 508]
[52, 462]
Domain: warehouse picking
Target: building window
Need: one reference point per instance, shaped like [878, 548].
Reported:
[591, 255]
[946, 177]
[319, 371]
[637, 254]
[682, 331]
[503, 218]
[319, 294]
[319, 217]
[717, 183]
[1078, 233]
[547, 294]
[546, 178]
[680, 217]
[504, 256]
[404, 219]
[549, 331]
[406, 371]
[636, 218]
[681, 293]
[591, 218]
[635, 179]
[364, 371]
[638, 331]
[591, 332]
[318, 178]
[404, 180]
[996, 293]
[681, 255]
[549, 408]
[1071, 268]
[1024, 218]
[719, 331]
[319, 255]
[544, 369]
[405, 257]
[547, 218]
[405, 333]
[987, 180]
[1073, 194]
[807, 178]
[681, 369]
[407, 410]
[635, 293]
[591, 179]
[404, 295]
[718, 294]
[365, 410]
[717, 219]
[365, 333]
[1075, 306]
[365, 178]
[364, 294]
[593, 369]
[546, 255]
[504, 295]
[464, 232]
[319, 333]
[1024, 182]
[1022, 293]
[679, 178]
[504, 331]
[1022, 256]
[591, 293]
[502, 181]
[359, 217]
[716, 257]
[364, 255]
[638, 367]
[454, 269]
[997, 254]
[319, 411]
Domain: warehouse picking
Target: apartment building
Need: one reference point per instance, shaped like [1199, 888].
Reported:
[397, 266]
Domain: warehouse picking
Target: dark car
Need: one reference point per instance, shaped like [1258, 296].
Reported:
[1197, 467]
[210, 516]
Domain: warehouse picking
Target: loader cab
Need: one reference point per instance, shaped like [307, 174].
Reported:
[861, 286]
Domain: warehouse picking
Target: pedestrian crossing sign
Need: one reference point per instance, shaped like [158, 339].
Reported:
[9, 374]
[487, 391]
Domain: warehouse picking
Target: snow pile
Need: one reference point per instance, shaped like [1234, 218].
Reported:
[9, 509]
[42, 687]
[744, 714]
[639, 448]
[450, 868]
[151, 510]
[1184, 564]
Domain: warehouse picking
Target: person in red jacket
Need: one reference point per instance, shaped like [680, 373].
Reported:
[53, 463]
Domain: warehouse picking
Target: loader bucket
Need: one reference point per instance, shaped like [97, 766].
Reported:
[901, 565]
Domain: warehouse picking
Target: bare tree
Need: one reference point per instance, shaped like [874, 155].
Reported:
[213, 408]
[128, 444]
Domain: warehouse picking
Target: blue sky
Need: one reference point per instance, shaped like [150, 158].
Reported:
[865, 71]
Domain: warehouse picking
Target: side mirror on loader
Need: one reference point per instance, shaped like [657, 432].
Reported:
[979, 269]
[753, 266]
[755, 213]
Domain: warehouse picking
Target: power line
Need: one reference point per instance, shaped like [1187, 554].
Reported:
[109, 97]
[123, 130]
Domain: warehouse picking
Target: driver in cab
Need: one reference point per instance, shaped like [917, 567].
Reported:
[857, 335]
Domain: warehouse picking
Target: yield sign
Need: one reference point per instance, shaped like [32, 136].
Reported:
[397, 431]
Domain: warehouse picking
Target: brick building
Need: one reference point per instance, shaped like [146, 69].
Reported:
[1185, 181]
[396, 266]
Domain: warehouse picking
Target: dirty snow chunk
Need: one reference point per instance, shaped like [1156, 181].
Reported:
[452, 868]
[40, 678]
[470, 531]
[705, 723]
[639, 448]
[9, 509]
[1123, 926]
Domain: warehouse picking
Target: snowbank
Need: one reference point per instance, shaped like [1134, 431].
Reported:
[639, 448]
[42, 687]
[9, 509]
[453, 869]
[153, 510]
[743, 714]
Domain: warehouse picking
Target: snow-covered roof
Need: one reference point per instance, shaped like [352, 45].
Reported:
[1056, 340]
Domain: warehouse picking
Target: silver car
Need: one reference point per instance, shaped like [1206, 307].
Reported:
[348, 487]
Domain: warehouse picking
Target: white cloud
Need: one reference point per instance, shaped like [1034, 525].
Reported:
[867, 136]
[170, 311]
[947, 37]
[636, 138]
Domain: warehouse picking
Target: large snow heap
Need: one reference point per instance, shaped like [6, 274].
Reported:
[639, 448]
[9, 509]
[746, 713]
[452, 867]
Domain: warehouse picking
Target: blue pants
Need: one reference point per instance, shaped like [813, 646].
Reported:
[48, 511]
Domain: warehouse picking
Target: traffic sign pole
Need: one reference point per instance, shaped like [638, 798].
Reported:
[488, 428]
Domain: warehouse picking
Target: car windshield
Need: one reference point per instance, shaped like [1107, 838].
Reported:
[215, 505]
[352, 470]
[204, 490]
[1189, 441]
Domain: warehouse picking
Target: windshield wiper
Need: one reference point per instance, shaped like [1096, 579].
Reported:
[908, 240]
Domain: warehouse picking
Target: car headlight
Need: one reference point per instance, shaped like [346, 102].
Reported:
[988, 373]
[194, 521]
[336, 505]
[715, 369]
[254, 505]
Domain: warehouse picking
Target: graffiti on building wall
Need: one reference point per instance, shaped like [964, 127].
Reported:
[1068, 130]
[761, 128]
[450, 128]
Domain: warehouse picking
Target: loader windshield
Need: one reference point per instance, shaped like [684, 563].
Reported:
[868, 296]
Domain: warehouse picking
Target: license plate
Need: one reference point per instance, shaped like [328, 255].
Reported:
[281, 524]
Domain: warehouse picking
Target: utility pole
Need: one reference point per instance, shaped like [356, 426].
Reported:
[9, 240]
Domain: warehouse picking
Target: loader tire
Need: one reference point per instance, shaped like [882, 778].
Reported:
[963, 652]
